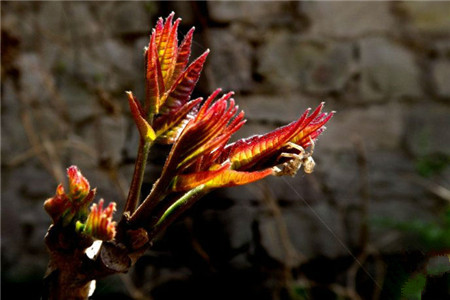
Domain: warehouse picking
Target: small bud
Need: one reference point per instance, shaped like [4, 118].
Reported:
[66, 207]
[99, 224]
[145, 130]
[57, 205]
[78, 184]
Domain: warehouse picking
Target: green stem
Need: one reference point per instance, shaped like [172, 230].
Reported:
[144, 212]
[177, 208]
[138, 176]
[157, 194]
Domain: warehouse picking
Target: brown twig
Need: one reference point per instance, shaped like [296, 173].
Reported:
[293, 257]
[432, 187]
[59, 146]
[365, 248]
[134, 193]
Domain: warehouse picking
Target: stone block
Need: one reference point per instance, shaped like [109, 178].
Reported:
[282, 108]
[379, 127]
[427, 131]
[39, 98]
[340, 176]
[35, 182]
[79, 23]
[430, 17]
[247, 11]
[388, 174]
[244, 195]
[106, 64]
[13, 203]
[311, 231]
[347, 19]
[129, 18]
[290, 62]
[441, 75]
[35, 79]
[331, 71]
[24, 221]
[224, 233]
[385, 214]
[391, 195]
[237, 221]
[229, 61]
[388, 70]
[79, 100]
[298, 190]
[110, 64]
[112, 138]
[131, 141]
[14, 139]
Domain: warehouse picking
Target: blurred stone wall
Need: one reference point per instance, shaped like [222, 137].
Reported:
[383, 66]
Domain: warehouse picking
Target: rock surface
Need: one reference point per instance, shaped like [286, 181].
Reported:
[384, 67]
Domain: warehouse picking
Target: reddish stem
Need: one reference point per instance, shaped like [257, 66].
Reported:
[138, 176]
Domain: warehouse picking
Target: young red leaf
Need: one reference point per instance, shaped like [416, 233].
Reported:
[145, 130]
[158, 30]
[182, 88]
[169, 84]
[78, 184]
[72, 205]
[163, 35]
[186, 182]
[233, 178]
[312, 130]
[258, 150]
[245, 153]
[169, 126]
[169, 55]
[184, 52]
[99, 224]
[209, 130]
[153, 89]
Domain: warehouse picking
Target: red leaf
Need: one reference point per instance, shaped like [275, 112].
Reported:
[153, 91]
[162, 36]
[186, 182]
[145, 130]
[245, 154]
[182, 88]
[169, 126]
[184, 52]
[78, 184]
[169, 56]
[206, 133]
[233, 178]
[312, 130]
[158, 30]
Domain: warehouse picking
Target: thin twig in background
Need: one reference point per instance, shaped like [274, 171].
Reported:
[293, 256]
[432, 187]
[60, 145]
[34, 135]
[365, 248]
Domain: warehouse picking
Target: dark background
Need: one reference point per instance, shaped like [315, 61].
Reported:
[368, 222]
